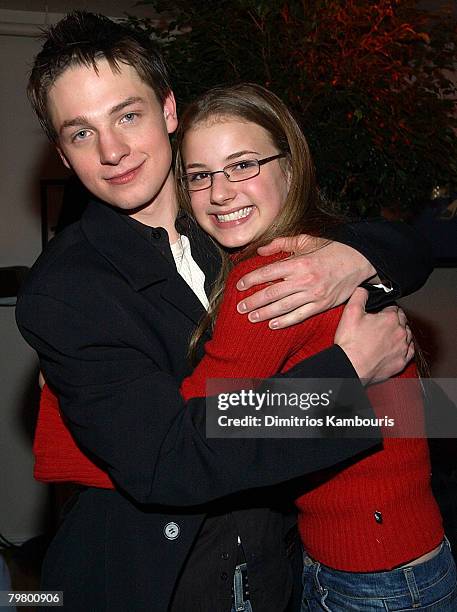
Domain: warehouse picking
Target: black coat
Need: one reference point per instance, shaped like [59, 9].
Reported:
[111, 319]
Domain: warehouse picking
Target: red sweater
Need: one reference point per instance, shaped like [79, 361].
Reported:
[337, 516]
[57, 457]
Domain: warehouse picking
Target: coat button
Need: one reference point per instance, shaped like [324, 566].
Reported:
[156, 234]
[378, 517]
[171, 531]
[224, 576]
[225, 556]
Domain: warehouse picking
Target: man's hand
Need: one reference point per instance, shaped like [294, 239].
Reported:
[378, 345]
[319, 276]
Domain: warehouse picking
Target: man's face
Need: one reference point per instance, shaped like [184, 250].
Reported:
[113, 133]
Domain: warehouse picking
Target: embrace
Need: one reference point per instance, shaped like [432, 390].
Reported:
[229, 265]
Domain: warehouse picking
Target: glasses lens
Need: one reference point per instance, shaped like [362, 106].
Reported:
[242, 170]
[194, 181]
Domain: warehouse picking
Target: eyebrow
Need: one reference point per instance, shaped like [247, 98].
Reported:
[83, 120]
[228, 158]
[125, 103]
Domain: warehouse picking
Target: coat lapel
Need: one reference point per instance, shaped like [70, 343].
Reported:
[141, 263]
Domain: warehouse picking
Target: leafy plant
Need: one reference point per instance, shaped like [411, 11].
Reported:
[369, 81]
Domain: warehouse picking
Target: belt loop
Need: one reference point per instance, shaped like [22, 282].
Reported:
[412, 586]
[323, 592]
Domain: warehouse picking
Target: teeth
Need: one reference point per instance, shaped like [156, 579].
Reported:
[239, 214]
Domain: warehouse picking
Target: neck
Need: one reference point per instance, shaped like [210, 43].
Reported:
[162, 211]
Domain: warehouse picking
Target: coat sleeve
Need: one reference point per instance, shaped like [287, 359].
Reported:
[396, 250]
[129, 416]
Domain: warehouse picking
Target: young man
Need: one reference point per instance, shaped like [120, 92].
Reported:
[110, 318]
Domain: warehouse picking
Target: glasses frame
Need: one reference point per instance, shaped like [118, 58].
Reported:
[260, 162]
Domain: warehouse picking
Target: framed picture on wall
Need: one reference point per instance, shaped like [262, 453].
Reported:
[63, 201]
[51, 199]
[438, 223]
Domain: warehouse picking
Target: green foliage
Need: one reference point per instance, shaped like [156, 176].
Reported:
[368, 81]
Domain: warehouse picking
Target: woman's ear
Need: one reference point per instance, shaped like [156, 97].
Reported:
[287, 169]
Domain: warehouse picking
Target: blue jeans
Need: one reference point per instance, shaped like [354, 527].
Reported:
[428, 586]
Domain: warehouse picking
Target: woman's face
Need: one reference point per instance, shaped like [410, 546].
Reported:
[234, 214]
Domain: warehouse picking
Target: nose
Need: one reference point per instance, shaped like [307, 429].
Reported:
[112, 148]
[222, 190]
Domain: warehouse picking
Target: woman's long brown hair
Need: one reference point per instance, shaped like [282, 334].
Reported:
[303, 212]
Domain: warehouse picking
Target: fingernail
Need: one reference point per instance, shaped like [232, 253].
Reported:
[240, 284]
[274, 324]
[242, 307]
[254, 316]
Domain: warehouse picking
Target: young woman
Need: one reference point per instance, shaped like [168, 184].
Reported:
[372, 533]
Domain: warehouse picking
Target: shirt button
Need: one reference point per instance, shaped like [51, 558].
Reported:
[378, 517]
[225, 556]
[224, 576]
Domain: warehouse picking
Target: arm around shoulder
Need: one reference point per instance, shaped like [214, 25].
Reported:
[396, 250]
[128, 414]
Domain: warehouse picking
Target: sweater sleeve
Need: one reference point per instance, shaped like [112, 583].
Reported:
[57, 456]
[239, 348]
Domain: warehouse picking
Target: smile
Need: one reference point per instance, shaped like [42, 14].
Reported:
[234, 216]
[126, 177]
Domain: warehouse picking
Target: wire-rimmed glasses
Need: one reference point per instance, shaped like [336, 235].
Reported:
[235, 173]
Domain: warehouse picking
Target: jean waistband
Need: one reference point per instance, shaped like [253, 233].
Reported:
[423, 558]
[426, 572]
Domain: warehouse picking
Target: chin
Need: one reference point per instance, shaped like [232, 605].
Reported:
[233, 244]
[128, 204]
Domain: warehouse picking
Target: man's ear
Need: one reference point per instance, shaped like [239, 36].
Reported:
[169, 112]
[65, 161]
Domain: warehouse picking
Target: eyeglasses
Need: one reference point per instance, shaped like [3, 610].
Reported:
[235, 173]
